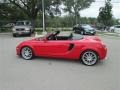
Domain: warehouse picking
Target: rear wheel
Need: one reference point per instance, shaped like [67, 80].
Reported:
[74, 30]
[30, 33]
[14, 35]
[89, 58]
[112, 30]
[27, 53]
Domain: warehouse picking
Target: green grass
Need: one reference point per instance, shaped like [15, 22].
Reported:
[108, 34]
[5, 30]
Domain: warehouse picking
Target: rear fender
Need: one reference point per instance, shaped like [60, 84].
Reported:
[90, 49]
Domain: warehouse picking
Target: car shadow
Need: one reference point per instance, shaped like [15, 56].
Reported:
[60, 60]
[51, 60]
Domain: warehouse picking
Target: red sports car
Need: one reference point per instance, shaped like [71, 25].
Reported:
[88, 49]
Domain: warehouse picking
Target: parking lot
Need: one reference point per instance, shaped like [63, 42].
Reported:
[56, 74]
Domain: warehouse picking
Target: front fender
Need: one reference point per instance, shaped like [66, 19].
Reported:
[24, 44]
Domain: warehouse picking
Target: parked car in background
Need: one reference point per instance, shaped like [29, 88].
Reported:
[22, 28]
[9, 25]
[84, 29]
[115, 28]
[88, 49]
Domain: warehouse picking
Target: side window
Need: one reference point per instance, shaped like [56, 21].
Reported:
[117, 26]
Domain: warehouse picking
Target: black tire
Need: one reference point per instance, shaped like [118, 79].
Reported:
[30, 34]
[89, 58]
[27, 53]
[74, 30]
[14, 35]
[112, 30]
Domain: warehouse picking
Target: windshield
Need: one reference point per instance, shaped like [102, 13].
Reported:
[117, 26]
[87, 27]
[23, 23]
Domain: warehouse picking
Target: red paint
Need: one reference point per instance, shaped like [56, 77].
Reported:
[59, 48]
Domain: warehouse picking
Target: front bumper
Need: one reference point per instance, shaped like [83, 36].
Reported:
[21, 32]
[91, 33]
[17, 50]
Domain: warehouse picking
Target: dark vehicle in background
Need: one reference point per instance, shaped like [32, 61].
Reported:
[84, 29]
[22, 28]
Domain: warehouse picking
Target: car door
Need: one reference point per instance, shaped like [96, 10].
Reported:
[54, 48]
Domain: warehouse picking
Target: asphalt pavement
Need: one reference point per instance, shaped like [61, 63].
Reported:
[57, 74]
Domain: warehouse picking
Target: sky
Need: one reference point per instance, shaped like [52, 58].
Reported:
[93, 10]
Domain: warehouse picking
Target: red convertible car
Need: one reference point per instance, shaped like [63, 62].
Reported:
[88, 49]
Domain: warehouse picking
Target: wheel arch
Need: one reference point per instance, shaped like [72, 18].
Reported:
[89, 49]
[28, 47]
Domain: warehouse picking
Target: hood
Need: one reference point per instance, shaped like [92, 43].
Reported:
[22, 26]
[89, 29]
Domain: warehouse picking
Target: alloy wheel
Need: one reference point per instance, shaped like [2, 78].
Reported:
[89, 58]
[26, 53]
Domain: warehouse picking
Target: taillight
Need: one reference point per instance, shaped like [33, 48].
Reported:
[104, 46]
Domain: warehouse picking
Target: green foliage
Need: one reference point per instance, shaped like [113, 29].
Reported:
[68, 21]
[75, 6]
[28, 9]
[10, 12]
[105, 14]
[32, 7]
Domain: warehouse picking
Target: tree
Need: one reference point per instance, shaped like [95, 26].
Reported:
[31, 8]
[75, 6]
[105, 14]
[8, 12]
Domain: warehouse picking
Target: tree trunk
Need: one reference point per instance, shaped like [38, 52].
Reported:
[33, 22]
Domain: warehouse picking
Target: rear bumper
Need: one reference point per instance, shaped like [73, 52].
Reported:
[103, 55]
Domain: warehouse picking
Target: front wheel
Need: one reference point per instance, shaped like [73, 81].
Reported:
[14, 35]
[27, 53]
[112, 30]
[89, 58]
